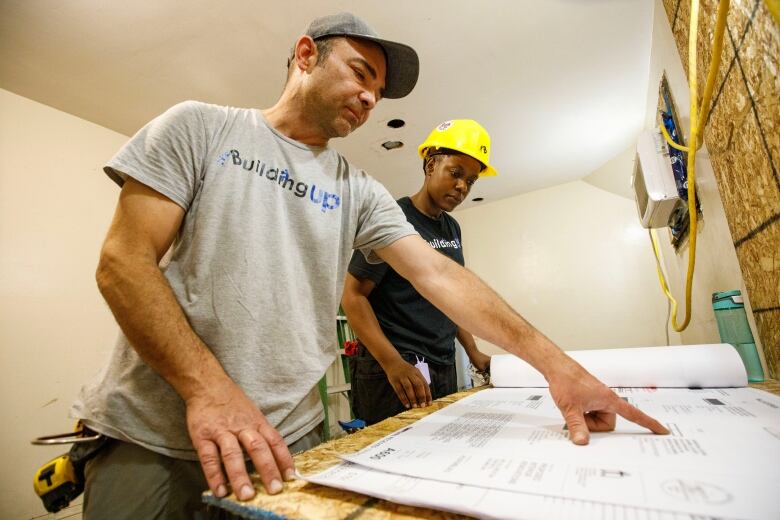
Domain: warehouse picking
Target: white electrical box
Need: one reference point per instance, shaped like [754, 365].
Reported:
[653, 180]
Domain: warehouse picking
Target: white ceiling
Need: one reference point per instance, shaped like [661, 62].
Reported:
[559, 84]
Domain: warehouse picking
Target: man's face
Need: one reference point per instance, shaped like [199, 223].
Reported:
[346, 87]
[450, 178]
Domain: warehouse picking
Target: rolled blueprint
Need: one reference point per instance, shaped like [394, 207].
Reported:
[684, 366]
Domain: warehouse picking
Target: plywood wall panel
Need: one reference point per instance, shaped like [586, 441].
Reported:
[670, 6]
[729, 106]
[743, 171]
[741, 16]
[767, 322]
[763, 280]
[680, 31]
[748, 188]
[758, 56]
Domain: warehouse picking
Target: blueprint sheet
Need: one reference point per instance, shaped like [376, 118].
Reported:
[504, 453]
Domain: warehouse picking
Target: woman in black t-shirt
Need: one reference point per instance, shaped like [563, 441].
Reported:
[406, 353]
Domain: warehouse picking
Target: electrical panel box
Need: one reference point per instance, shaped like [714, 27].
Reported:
[655, 189]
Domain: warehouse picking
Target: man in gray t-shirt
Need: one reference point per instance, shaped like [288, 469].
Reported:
[222, 349]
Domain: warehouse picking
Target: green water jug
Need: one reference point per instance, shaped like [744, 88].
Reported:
[733, 327]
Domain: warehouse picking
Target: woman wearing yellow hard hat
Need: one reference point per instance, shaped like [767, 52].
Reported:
[406, 351]
[461, 135]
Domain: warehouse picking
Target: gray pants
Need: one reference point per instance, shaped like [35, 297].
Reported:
[124, 480]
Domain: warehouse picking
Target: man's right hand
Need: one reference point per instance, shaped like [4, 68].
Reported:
[408, 383]
[224, 423]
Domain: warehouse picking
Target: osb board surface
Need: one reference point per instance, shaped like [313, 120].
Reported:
[678, 12]
[770, 385]
[301, 500]
[740, 14]
[743, 138]
[764, 278]
[670, 6]
[746, 181]
[680, 30]
[759, 56]
[768, 321]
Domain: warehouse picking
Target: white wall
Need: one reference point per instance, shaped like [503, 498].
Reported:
[574, 261]
[615, 175]
[55, 330]
[717, 267]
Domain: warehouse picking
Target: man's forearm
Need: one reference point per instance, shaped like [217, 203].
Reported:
[474, 306]
[146, 309]
[585, 402]
[488, 316]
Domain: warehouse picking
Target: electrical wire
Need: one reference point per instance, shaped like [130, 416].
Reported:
[659, 269]
[698, 120]
[668, 138]
[671, 303]
[666, 325]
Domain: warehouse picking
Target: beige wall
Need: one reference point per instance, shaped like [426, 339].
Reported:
[574, 261]
[55, 330]
[717, 268]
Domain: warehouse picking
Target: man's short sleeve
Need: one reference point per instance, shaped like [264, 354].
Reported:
[360, 268]
[381, 221]
[166, 155]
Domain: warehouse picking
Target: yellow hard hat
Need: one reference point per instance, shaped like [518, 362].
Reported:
[465, 136]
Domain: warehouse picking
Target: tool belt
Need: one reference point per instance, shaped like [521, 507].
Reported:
[61, 480]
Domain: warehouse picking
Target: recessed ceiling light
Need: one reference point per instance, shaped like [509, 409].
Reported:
[392, 145]
[478, 199]
[396, 123]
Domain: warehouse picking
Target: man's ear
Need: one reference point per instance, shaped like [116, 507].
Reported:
[305, 56]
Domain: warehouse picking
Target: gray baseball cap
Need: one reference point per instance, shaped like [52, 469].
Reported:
[403, 65]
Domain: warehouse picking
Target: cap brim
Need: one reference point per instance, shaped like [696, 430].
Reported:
[403, 66]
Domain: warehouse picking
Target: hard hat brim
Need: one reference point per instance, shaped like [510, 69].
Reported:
[488, 171]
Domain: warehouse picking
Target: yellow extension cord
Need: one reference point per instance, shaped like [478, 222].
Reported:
[697, 126]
